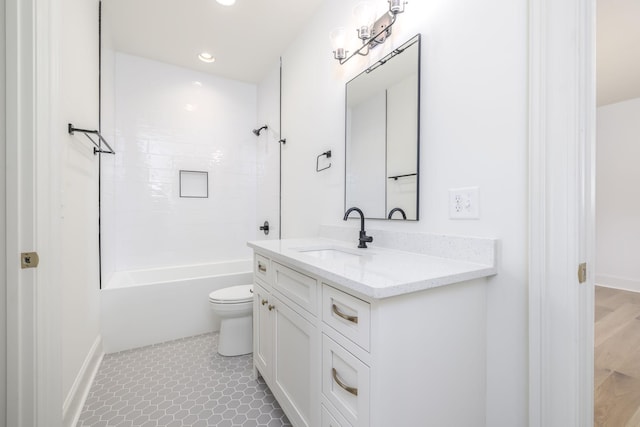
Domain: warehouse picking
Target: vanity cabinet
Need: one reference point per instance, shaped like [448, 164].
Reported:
[334, 357]
[286, 347]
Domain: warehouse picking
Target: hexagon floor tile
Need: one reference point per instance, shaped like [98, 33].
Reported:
[182, 383]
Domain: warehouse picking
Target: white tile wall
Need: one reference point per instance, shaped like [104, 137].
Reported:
[168, 119]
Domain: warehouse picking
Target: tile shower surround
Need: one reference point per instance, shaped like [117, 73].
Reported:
[179, 383]
[167, 119]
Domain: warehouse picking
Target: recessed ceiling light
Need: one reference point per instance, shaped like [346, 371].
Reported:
[226, 2]
[206, 57]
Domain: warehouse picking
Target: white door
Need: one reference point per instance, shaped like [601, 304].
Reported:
[561, 212]
[33, 362]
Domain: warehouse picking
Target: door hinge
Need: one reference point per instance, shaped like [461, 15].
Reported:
[582, 272]
[29, 259]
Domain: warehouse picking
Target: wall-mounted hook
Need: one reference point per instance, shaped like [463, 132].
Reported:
[328, 155]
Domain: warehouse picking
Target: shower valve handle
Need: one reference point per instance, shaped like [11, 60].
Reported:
[265, 227]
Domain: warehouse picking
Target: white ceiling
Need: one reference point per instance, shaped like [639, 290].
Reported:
[246, 39]
[618, 50]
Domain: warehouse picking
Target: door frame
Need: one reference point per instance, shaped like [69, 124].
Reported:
[561, 211]
[34, 382]
[561, 200]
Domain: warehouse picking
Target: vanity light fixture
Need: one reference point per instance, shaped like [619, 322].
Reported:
[206, 57]
[372, 33]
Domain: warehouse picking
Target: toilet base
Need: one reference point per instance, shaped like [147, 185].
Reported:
[236, 336]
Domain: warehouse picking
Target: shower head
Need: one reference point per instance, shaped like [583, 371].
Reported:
[256, 132]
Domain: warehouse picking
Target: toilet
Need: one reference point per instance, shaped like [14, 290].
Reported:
[234, 306]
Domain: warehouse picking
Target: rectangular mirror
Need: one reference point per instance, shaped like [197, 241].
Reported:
[383, 134]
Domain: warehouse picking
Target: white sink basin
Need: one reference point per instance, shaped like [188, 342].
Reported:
[331, 254]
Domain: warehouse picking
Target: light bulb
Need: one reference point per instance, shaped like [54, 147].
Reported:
[364, 15]
[338, 39]
[396, 6]
[226, 2]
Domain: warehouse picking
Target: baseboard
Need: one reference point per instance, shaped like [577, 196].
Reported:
[74, 402]
[618, 283]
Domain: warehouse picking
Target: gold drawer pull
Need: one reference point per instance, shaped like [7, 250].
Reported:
[264, 302]
[271, 307]
[262, 267]
[352, 390]
[337, 311]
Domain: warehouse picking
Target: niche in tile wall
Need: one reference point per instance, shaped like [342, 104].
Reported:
[194, 184]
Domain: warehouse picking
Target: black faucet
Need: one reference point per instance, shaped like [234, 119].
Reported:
[392, 211]
[363, 234]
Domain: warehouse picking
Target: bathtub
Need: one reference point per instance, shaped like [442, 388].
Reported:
[145, 307]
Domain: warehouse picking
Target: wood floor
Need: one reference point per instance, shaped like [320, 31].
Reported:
[617, 358]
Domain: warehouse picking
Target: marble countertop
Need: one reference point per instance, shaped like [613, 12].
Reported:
[373, 272]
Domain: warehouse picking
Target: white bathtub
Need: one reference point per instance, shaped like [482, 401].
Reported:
[146, 307]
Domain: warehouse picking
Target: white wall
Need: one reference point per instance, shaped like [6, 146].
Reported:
[3, 271]
[169, 119]
[473, 133]
[312, 123]
[618, 201]
[78, 95]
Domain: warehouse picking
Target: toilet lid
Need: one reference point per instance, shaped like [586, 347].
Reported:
[233, 294]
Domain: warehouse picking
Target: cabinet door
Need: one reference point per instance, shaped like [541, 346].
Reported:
[296, 365]
[262, 331]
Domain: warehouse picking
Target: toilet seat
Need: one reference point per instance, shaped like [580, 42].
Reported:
[232, 295]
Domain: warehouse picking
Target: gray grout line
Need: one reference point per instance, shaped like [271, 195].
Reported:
[181, 383]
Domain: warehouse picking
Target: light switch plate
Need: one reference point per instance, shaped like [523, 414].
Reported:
[463, 203]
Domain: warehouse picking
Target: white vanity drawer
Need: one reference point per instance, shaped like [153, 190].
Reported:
[262, 268]
[328, 419]
[347, 314]
[345, 382]
[296, 286]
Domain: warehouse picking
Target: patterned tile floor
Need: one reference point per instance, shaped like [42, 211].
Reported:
[182, 383]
